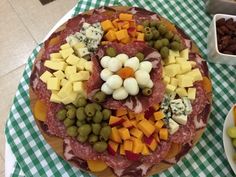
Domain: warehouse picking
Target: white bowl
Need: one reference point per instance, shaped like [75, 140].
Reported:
[213, 53]
[228, 146]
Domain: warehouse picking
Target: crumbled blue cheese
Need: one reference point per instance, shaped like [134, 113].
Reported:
[177, 106]
[187, 104]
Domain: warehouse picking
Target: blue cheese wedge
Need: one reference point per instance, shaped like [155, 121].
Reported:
[187, 104]
[173, 126]
[177, 106]
[181, 119]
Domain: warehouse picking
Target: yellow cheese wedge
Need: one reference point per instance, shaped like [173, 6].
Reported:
[185, 81]
[65, 90]
[170, 60]
[70, 70]
[70, 98]
[45, 76]
[192, 93]
[174, 81]
[172, 70]
[55, 55]
[195, 74]
[173, 53]
[185, 67]
[57, 59]
[66, 52]
[63, 82]
[80, 76]
[72, 60]
[53, 83]
[181, 91]
[54, 65]
[185, 53]
[59, 74]
[88, 66]
[55, 98]
[170, 88]
[78, 87]
[65, 46]
[180, 60]
[166, 79]
[81, 64]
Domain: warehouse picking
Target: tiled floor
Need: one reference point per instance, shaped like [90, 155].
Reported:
[24, 23]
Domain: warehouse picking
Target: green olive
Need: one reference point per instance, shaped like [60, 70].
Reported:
[97, 106]
[89, 119]
[158, 44]
[110, 51]
[169, 35]
[165, 42]
[148, 35]
[105, 133]
[99, 97]
[147, 91]
[164, 52]
[80, 123]
[70, 106]
[153, 23]
[97, 118]
[104, 124]
[92, 138]
[176, 38]
[81, 102]
[96, 128]
[155, 34]
[84, 130]
[72, 131]
[146, 23]
[150, 43]
[80, 114]
[71, 113]
[82, 139]
[106, 114]
[175, 45]
[100, 146]
[147, 29]
[140, 56]
[231, 131]
[61, 114]
[90, 110]
[162, 29]
[68, 122]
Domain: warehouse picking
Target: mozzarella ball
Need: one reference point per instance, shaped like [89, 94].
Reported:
[131, 86]
[150, 84]
[132, 63]
[114, 82]
[142, 77]
[145, 66]
[114, 65]
[106, 89]
[120, 94]
[104, 61]
[122, 57]
[105, 74]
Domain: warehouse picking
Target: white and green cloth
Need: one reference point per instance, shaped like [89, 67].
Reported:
[36, 158]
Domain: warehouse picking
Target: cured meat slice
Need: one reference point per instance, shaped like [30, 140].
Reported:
[116, 162]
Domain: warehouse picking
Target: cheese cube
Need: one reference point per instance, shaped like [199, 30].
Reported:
[170, 60]
[193, 63]
[185, 53]
[166, 79]
[45, 76]
[59, 74]
[70, 70]
[146, 127]
[185, 67]
[173, 53]
[172, 70]
[192, 93]
[65, 90]
[124, 133]
[55, 98]
[63, 82]
[195, 74]
[55, 55]
[181, 92]
[66, 52]
[65, 46]
[180, 60]
[54, 65]
[181, 119]
[173, 126]
[174, 81]
[170, 88]
[88, 66]
[78, 87]
[70, 98]
[57, 59]
[78, 46]
[72, 59]
[185, 81]
[80, 76]
[82, 52]
[53, 83]
[81, 64]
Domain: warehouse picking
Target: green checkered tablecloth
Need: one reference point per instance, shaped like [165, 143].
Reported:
[36, 158]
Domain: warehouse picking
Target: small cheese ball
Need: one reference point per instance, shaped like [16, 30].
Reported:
[132, 63]
[114, 64]
[145, 66]
[104, 61]
[122, 57]
[142, 77]
[105, 74]
[114, 82]
[106, 89]
[120, 94]
[131, 86]
[150, 84]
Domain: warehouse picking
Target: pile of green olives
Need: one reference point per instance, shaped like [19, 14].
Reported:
[158, 37]
[87, 122]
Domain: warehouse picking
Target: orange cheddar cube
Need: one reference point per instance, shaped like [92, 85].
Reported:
[114, 22]
[125, 40]
[122, 151]
[122, 34]
[139, 116]
[128, 145]
[121, 112]
[159, 115]
[115, 121]
[132, 23]
[153, 145]
[151, 121]
[125, 25]
[107, 25]
[127, 124]
[125, 16]
[115, 136]
[137, 146]
[140, 28]
[136, 133]
[113, 145]
[159, 124]
[163, 134]
[140, 37]
[146, 127]
[156, 107]
[145, 150]
[124, 133]
[131, 115]
[134, 122]
[110, 35]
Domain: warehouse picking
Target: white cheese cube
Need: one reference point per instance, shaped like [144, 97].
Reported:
[59, 74]
[72, 60]
[174, 81]
[185, 81]
[55, 55]
[66, 52]
[192, 93]
[80, 76]
[65, 90]
[172, 70]
[181, 91]
[57, 59]
[173, 126]
[78, 87]
[82, 52]
[195, 74]
[70, 98]
[63, 82]
[166, 79]
[173, 53]
[70, 70]
[55, 98]
[170, 88]
[185, 53]
[181, 119]
[65, 46]
[170, 60]
[45, 76]
[81, 64]
[179, 60]
[120, 94]
[88, 66]
[185, 67]
[53, 83]
[55, 65]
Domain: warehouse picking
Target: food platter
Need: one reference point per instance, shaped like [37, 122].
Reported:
[175, 142]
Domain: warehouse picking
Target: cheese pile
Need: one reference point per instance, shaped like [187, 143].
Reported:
[180, 74]
[69, 73]
[120, 87]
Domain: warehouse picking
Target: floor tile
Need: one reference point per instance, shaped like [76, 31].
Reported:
[15, 41]
[9, 84]
[40, 19]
